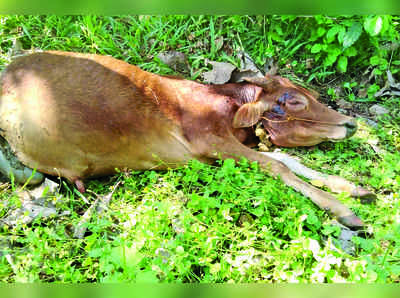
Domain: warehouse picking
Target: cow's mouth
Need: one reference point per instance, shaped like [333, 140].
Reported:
[351, 128]
[264, 138]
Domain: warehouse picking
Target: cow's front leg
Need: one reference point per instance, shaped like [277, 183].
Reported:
[335, 183]
[231, 148]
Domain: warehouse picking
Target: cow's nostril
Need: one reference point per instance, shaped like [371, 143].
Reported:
[351, 125]
[351, 128]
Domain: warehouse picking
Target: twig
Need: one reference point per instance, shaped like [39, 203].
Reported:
[99, 205]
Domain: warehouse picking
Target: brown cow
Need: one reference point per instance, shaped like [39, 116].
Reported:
[80, 116]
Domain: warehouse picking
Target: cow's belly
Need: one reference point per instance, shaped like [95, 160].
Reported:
[94, 156]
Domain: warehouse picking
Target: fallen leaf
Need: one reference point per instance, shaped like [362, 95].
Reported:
[175, 60]
[317, 183]
[220, 74]
[219, 42]
[247, 69]
[345, 238]
[391, 88]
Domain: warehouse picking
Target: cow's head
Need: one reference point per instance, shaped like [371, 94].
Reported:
[292, 115]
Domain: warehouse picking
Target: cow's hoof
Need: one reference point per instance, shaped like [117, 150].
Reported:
[80, 185]
[10, 166]
[351, 221]
[365, 196]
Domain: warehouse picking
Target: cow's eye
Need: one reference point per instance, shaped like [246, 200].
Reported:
[296, 104]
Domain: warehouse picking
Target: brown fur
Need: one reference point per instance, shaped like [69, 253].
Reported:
[80, 116]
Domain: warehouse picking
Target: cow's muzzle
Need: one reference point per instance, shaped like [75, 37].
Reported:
[351, 128]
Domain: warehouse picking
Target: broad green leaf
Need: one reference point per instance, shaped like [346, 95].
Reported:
[373, 25]
[276, 37]
[96, 252]
[373, 89]
[352, 35]
[341, 34]
[334, 50]
[348, 23]
[350, 52]
[314, 35]
[260, 210]
[383, 64]
[320, 19]
[316, 48]
[278, 30]
[342, 64]
[386, 22]
[330, 59]
[312, 219]
[374, 60]
[333, 53]
[330, 35]
[321, 31]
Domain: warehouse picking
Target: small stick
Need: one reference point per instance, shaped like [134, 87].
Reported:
[100, 204]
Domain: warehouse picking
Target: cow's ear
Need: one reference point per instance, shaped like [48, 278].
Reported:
[249, 114]
[268, 83]
[313, 93]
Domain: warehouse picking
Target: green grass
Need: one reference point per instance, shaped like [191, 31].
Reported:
[206, 223]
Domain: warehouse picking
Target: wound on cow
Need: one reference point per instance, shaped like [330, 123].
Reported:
[278, 110]
[284, 97]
